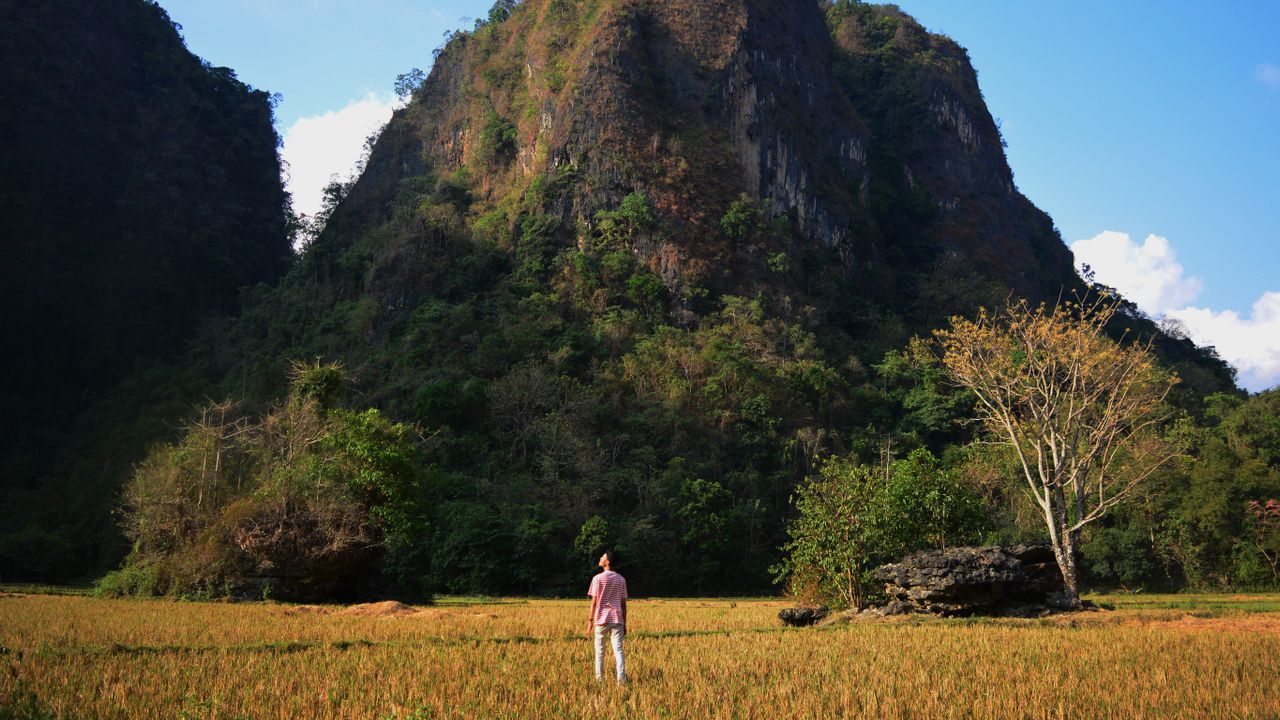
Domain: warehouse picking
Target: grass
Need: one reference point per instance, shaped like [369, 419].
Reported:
[1216, 604]
[1154, 656]
[30, 589]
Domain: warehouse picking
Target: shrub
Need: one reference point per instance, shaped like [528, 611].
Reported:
[1119, 557]
[832, 540]
[742, 221]
[853, 517]
[139, 579]
[299, 503]
[497, 141]
[646, 291]
[617, 229]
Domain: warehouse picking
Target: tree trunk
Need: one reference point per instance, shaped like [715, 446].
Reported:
[1065, 552]
[1064, 549]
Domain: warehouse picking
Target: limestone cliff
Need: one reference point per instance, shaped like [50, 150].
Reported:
[865, 133]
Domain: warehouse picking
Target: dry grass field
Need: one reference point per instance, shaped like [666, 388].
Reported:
[1152, 656]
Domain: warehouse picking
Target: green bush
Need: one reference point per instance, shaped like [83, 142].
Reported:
[647, 291]
[833, 543]
[1251, 570]
[617, 229]
[493, 227]
[502, 10]
[593, 538]
[135, 579]
[497, 141]
[925, 505]
[853, 517]
[742, 221]
[1119, 557]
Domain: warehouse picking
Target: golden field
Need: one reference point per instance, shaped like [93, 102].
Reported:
[1152, 656]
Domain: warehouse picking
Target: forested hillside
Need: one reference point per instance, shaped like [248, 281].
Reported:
[139, 190]
[631, 270]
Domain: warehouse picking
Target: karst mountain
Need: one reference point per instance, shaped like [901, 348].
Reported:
[631, 267]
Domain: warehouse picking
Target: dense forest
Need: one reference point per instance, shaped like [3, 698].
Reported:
[621, 275]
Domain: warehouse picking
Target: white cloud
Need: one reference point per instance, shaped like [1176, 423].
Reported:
[1268, 75]
[1250, 344]
[319, 147]
[1148, 274]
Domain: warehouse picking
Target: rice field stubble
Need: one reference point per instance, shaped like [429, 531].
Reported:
[78, 657]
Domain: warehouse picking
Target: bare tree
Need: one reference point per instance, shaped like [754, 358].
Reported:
[180, 487]
[1081, 411]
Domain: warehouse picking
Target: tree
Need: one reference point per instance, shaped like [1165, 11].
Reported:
[832, 541]
[299, 503]
[705, 512]
[1252, 427]
[502, 10]
[498, 139]
[1264, 526]
[593, 538]
[927, 506]
[408, 83]
[743, 219]
[853, 517]
[1081, 411]
[617, 229]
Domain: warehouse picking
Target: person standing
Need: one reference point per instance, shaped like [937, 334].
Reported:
[608, 593]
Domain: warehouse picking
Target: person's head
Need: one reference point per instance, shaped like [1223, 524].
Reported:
[606, 560]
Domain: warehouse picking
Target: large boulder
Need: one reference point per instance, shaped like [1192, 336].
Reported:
[1019, 581]
[801, 616]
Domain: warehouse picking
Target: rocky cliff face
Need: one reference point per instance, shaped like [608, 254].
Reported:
[802, 146]
[863, 132]
[922, 96]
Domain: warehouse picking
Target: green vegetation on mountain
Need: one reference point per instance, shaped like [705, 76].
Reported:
[1195, 526]
[633, 271]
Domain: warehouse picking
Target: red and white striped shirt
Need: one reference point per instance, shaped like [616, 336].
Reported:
[610, 589]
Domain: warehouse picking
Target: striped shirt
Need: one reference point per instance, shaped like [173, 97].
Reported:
[610, 589]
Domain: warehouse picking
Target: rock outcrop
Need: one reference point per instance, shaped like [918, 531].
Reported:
[858, 128]
[484, 254]
[1021, 581]
[802, 616]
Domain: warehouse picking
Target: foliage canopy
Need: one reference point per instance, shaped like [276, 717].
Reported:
[852, 517]
[302, 503]
[1081, 411]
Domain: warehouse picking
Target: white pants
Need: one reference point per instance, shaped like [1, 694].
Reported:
[614, 631]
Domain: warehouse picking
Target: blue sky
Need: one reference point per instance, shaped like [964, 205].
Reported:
[1150, 131]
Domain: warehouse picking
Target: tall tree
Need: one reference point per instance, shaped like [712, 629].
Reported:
[1081, 411]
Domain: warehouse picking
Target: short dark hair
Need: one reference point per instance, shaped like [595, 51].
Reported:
[613, 559]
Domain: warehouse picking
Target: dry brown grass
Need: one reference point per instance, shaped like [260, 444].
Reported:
[87, 658]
